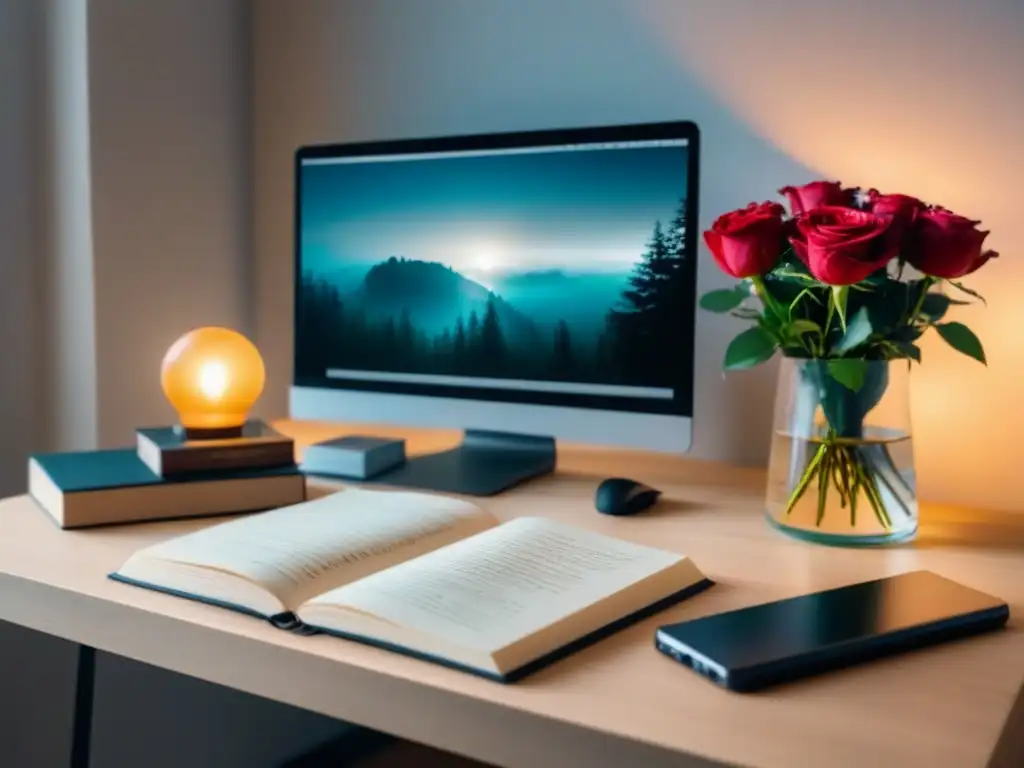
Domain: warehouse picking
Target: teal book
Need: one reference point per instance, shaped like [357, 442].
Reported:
[355, 457]
[427, 576]
[86, 488]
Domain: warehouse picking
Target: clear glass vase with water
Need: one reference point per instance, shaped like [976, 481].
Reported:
[841, 469]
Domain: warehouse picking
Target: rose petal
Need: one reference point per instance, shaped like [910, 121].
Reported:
[799, 248]
[714, 243]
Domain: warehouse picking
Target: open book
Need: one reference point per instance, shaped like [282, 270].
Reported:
[429, 576]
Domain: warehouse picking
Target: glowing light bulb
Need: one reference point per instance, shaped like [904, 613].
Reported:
[212, 377]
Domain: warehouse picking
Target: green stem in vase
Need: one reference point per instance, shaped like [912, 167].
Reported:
[824, 471]
[874, 497]
[882, 475]
[842, 466]
[854, 491]
[805, 480]
[842, 477]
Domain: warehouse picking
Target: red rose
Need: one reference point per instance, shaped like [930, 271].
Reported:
[894, 205]
[943, 244]
[747, 242]
[842, 246]
[816, 194]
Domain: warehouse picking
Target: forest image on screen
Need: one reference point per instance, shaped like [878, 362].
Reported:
[555, 266]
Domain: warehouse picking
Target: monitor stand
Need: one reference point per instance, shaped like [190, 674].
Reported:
[485, 464]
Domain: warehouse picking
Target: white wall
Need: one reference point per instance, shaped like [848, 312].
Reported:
[922, 96]
[63, 218]
[35, 670]
[141, 225]
[170, 125]
[19, 332]
[124, 221]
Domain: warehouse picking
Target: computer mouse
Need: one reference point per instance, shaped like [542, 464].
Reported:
[619, 496]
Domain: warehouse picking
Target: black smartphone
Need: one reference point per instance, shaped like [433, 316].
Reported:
[752, 648]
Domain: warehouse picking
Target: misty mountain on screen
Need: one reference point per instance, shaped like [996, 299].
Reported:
[434, 298]
[544, 265]
[542, 295]
[415, 316]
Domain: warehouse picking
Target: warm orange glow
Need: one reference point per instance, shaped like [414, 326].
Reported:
[212, 377]
[917, 97]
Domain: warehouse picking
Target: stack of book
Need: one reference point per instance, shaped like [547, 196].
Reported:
[167, 476]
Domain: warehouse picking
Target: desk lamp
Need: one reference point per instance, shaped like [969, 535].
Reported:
[213, 377]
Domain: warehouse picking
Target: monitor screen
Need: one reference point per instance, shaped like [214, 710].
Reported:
[555, 273]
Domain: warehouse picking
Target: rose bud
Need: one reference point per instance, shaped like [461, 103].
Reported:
[816, 194]
[944, 244]
[842, 246]
[747, 242]
[894, 205]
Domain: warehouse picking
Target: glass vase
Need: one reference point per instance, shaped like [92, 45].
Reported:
[841, 469]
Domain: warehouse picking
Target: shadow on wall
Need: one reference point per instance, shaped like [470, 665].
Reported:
[400, 68]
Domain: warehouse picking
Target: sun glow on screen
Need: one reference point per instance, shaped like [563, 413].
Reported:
[485, 258]
[486, 262]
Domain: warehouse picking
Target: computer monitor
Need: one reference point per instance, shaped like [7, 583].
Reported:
[520, 286]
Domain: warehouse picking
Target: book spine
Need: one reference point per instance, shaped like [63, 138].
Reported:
[290, 622]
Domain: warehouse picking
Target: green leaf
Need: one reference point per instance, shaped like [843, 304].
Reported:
[962, 339]
[795, 335]
[935, 305]
[857, 332]
[864, 287]
[724, 300]
[849, 372]
[796, 302]
[907, 333]
[752, 347]
[745, 313]
[799, 327]
[907, 350]
[772, 304]
[773, 326]
[840, 293]
[968, 291]
[809, 293]
[786, 273]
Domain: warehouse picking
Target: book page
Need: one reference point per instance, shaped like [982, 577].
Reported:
[299, 551]
[502, 585]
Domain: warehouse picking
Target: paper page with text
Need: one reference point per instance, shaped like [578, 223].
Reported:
[501, 585]
[299, 551]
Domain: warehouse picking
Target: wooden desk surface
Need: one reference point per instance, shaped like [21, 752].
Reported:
[618, 702]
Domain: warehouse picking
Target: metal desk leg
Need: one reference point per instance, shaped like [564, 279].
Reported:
[82, 734]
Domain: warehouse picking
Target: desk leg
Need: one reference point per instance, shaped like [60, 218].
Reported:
[81, 736]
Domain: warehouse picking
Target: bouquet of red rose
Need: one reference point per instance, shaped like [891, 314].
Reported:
[848, 280]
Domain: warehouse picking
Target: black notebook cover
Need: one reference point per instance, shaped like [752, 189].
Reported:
[288, 621]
